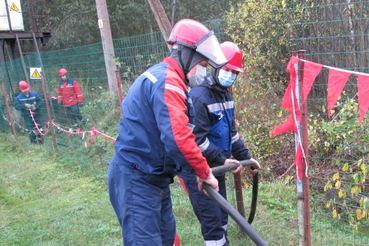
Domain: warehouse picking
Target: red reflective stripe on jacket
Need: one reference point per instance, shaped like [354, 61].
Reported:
[183, 136]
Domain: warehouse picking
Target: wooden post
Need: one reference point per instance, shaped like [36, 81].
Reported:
[8, 108]
[107, 43]
[51, 127]
[161, 18]
[119, 84]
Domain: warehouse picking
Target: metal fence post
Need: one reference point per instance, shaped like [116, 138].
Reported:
[51, 127]
[119, 84]
[9, 112]
[304, 135]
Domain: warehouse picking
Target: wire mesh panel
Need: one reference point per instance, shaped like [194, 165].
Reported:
[335, 34]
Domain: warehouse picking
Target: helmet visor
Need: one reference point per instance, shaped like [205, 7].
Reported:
[210, 48]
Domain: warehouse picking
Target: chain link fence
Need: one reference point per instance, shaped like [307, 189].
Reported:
[335, 34]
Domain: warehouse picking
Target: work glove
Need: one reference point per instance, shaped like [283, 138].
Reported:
[27, 105]
[80, 104]
[33, 107]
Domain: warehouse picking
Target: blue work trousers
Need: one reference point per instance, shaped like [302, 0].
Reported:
[143, 206]
[212, 218]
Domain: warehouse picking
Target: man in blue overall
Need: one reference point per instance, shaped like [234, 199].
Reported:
[218, 139]
[155, 138]
[28, 102]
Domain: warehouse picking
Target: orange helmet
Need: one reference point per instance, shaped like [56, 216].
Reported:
[233, 55]
[62, 71]
[23, 86]
[195, 35]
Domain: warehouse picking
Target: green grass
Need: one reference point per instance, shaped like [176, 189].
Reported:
[49, 198]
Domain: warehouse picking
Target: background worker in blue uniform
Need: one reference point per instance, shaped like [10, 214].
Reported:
[27, 102]
[155, 138]
[218, 140]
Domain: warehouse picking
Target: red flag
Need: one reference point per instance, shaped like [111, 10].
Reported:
[106, 137]
[90, 141]
[298, 161]
[363, 94]
[289, 124]
[290, 94]
[311, 70]
[183, 184]
[113, 141]
[336, 82]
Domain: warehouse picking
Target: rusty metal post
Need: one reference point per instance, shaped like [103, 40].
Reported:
[304, 133]
[9, 112]
[51, 127]
[238, 183]
[119, 85]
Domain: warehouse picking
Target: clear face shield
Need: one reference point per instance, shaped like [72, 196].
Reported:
[209, 47]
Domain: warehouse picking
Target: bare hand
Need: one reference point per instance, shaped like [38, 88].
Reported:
[210, 180]
[254, 171]
[229, 161]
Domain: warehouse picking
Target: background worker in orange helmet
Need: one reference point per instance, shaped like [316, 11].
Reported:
[70, 95]
[155, 137]
[218, 140]
[28, 102]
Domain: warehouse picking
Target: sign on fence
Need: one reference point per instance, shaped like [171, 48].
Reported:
[35, 73]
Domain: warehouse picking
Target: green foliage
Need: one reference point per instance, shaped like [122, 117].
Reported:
[259, 28]
[341, 136]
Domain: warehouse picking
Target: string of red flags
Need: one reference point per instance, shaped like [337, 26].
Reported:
[337, 79]
[93, 133]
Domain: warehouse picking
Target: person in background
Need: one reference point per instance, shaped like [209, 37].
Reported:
[29, 103]
[70, 95]
[218, 140]
[155, 137]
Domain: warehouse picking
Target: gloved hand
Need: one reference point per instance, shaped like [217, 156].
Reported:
[80, 104]
[27, 105]
[59, 102]
[33, 107]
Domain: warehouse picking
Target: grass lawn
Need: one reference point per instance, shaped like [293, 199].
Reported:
[46, 199]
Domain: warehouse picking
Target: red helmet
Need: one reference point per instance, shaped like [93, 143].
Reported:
[23, 86]
[195, 35]
[233, 55]
[62, 71]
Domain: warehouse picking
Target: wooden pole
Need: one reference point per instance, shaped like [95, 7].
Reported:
[8, 108]
[107, 43]
[51, 126]
[161, 18]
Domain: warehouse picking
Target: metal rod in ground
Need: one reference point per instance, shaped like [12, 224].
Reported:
[51, 127]
[231, 211]
[9, 112]
[119, 85]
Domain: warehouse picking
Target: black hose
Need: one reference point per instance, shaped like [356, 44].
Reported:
[255, 181]
[246, 227]
[254, 199]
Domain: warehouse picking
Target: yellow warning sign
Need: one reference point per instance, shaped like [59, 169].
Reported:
[36, 74]
[14, 7]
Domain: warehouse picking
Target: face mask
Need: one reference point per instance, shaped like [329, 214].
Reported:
[226, 79]
[198, 78]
